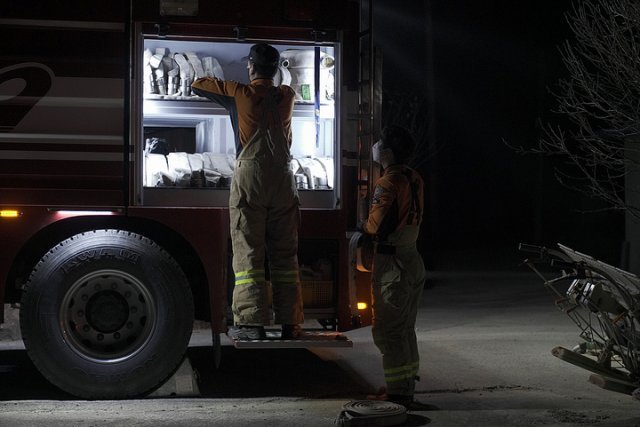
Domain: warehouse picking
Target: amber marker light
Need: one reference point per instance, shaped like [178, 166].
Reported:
[10, 213]
[362, 305]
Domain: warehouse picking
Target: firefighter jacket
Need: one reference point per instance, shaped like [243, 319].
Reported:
[398, 201]
[245, 106]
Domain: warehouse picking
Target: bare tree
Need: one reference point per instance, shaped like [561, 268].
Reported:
[410, 110]
[599, 102]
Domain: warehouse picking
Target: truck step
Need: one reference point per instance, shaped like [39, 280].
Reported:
[312, 339]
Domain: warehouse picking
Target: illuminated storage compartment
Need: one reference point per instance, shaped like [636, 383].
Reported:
[187, 148]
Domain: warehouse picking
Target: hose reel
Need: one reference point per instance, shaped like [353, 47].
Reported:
[371, 413]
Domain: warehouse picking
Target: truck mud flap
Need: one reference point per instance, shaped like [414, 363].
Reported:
[312, 339]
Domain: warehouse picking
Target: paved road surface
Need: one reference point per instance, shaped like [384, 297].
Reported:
[485, 341]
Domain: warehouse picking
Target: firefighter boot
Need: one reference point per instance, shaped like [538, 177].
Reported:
[246, 332]
[381, 394]
[411, 404]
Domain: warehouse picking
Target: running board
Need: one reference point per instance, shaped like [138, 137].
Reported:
[311, 339]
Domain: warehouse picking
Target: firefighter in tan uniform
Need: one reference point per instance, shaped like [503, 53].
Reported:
[263, 201]
[398, 270]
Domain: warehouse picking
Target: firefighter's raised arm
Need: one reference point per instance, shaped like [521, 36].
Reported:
[214, 89]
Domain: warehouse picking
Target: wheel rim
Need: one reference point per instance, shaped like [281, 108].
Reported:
[107, 316]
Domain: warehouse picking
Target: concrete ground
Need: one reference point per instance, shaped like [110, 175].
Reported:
[485, 341]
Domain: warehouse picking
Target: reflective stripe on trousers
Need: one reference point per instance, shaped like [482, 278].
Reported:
[402, 373]
[249, 277]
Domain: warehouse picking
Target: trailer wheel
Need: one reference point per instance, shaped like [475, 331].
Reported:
[107, 314]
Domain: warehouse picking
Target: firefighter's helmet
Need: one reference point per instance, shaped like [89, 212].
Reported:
[400, 141]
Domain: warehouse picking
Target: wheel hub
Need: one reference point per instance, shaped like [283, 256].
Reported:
[107, 311]
[106, 315]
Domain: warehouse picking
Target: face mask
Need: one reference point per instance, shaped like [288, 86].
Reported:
[381, 155]
[375, 151]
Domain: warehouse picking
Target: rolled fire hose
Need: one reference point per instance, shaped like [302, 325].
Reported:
[173, 74]
[212, 67]
[155, 62]
[149, 78]
[196, 64]
[371, 413]
[186, 74]
[161, 86]
[174, 81]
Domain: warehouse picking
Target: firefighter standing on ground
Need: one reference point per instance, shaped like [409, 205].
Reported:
[398, 270]
[263, 201]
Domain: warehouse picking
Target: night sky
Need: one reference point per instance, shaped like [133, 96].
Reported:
[493, 65]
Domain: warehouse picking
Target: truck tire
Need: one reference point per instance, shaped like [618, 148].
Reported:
[107, 314]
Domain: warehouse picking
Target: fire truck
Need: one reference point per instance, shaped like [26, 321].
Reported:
[114, 176]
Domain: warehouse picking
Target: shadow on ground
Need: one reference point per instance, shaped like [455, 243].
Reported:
[242, 374]
[271, 372]
[20, 380]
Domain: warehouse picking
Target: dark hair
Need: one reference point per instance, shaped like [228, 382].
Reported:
[400, 141]
[265, 59]
[266, 71]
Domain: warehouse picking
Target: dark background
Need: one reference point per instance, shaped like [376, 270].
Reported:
[494, 64]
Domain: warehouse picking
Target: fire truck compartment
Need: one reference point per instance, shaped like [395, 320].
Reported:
[187, 143]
